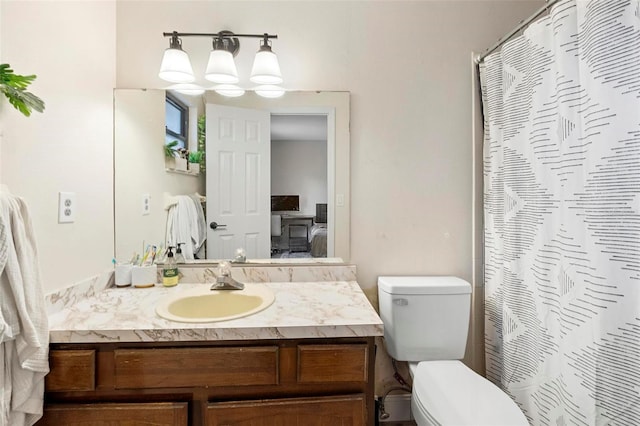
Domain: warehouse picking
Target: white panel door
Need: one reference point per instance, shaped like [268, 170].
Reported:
[238, 182]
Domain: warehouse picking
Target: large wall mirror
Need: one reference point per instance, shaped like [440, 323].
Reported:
[287, 198]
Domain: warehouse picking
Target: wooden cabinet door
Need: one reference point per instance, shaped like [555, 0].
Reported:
[332, 363]
[321, 411]
[147, 414]
[71, 370]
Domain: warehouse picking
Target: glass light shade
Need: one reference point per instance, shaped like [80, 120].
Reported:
[266, 69]
[187, 89]
[269, 91]
[221, 68]
[176, 67]
[229, 90]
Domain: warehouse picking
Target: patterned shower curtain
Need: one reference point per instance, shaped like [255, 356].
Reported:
[562, 215]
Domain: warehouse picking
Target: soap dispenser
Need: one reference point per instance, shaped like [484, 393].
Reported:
[170, 270]
[179, 256]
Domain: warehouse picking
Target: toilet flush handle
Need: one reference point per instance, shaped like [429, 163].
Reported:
[401, 302]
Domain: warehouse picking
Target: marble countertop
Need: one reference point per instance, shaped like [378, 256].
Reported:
[301, 310]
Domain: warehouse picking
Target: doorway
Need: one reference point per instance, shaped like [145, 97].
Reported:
[299, 185]
[335, 107]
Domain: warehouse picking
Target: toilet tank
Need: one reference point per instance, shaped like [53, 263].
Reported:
[425, 318]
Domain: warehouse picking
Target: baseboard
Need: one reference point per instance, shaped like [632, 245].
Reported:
[398, 407]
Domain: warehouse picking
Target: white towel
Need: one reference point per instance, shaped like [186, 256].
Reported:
[25, 333]
[185, 224]
[202, 223]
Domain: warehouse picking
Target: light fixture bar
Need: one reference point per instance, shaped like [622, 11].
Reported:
[221, 34]
[221, 68]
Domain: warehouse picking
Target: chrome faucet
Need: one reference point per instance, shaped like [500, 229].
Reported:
[241, 256]
[224, 281]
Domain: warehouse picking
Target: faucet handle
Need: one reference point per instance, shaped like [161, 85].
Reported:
[241, 256]
[224, 269]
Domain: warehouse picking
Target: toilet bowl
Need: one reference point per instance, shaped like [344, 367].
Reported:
[450, 393]
[425, 323]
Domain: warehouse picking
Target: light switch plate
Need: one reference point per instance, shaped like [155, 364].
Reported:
[67, 207]
[340, 200]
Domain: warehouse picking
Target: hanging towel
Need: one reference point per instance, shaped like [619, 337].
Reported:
[24, 332]
[185, 224]
[202, 223]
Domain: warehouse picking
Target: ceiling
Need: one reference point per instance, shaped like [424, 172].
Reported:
[296, 127]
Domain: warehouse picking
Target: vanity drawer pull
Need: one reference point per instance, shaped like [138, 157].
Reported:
[192, 367]
[71, 370]
[332, 363]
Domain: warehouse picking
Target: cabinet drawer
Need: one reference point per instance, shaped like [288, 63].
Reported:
[157, 414]
[320, 411]
[71, 370]
[192, 367]
[332, 363]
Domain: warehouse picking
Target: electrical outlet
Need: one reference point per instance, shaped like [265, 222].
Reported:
[67, 207]
[146, 204]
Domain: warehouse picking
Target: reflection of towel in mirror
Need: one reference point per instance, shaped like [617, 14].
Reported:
[24, 331]
[202, 223]
[185, 224]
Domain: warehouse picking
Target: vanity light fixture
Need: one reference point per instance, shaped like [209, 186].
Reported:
[221, 67]
[266, 69]
[176, 66]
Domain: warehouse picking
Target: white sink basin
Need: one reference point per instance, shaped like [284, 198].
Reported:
[204, 305]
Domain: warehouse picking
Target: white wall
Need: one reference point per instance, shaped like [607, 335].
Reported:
[300, 168]
[70, 46]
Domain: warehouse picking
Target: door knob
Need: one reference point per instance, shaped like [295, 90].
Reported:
[215, 225]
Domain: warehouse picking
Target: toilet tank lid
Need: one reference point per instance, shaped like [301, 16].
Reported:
[423, 285]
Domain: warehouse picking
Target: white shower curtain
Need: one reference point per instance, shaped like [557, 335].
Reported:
[562, 215]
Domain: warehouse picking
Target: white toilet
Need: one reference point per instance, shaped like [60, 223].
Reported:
[425, 322]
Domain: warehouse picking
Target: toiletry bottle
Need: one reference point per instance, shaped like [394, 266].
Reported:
[170, 270]
[179, 255]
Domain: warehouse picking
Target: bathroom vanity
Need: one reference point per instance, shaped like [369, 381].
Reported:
[308, 359]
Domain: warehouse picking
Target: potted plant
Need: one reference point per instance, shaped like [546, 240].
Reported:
[195, 158]
[170, 152]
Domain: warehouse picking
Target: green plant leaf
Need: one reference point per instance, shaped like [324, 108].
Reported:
[170, 148]
[17, 81]
[13, 86]
[195, 157]
[202, 139]
[22, 100]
